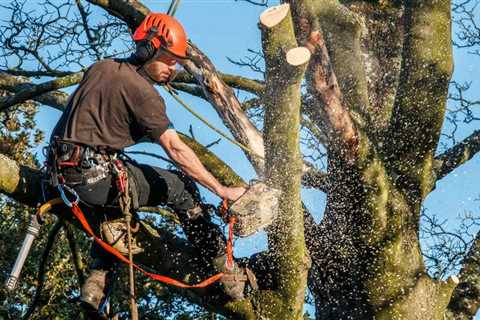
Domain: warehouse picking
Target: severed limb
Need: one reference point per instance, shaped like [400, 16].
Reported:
[330, 109]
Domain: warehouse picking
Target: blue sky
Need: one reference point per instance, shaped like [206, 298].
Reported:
[224, 28]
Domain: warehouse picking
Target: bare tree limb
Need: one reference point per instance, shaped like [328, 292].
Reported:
[238, 82]
[88, 32]
[227, 106]
[55, 99]
[36, 74]
[457, 155]
[132, 12]
[39, 89]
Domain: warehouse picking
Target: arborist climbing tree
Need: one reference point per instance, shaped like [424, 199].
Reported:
[364, 82]
[116, 106]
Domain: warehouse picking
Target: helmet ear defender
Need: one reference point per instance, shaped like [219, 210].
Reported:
[145, 50]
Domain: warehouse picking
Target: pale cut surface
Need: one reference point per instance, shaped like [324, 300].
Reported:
[274, 15]
[454, 279]
[298, 56]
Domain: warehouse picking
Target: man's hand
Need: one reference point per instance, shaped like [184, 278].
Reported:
[232, 194]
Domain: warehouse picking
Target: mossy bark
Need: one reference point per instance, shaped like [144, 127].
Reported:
[283, 171]
[366, 256]
[370, 264]
[465, 300]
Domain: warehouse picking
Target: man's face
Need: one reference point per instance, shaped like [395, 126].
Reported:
[161, 68]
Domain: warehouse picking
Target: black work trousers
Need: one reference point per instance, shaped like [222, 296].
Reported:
[156, 186]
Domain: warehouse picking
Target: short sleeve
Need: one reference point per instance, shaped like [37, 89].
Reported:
[151, 117]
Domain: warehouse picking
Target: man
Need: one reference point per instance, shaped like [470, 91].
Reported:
[116, 106]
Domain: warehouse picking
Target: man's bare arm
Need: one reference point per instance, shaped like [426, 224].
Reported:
[188, 162]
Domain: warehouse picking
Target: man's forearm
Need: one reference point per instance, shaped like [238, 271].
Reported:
[188, 162]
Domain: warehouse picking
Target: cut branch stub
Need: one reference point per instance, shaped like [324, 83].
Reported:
[298, 56]
[285, 67]
[274, 15]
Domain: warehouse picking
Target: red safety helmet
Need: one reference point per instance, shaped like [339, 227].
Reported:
[168, 34]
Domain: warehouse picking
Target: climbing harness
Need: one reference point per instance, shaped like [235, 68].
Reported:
[77, 212]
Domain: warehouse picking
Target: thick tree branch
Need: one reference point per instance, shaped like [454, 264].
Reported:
[465, 300]
[322, 81]
[238, 82]
[132, 12]
[36, 90]
[286, 65]
[55, 99]
[227, 106]
[420, 104]
[457, 155]
[37, 74]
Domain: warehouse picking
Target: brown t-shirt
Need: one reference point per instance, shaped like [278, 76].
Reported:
[113, 107]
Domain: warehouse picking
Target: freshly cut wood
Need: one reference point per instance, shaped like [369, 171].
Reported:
[298, 56]
[453, 280]
[274, 15]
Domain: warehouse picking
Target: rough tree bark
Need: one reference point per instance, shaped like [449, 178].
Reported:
[368, 262]
[377, 76]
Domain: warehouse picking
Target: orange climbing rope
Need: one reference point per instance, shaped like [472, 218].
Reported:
[81, 218]
[77, 212]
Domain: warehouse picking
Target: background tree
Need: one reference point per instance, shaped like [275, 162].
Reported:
[374, 99]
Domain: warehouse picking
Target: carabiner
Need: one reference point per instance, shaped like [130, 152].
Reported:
[64, 196]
